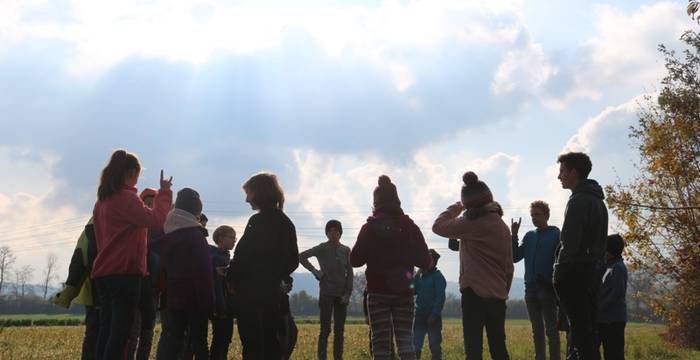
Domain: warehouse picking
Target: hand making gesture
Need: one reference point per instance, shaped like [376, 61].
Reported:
[165, 184]
[515, 226]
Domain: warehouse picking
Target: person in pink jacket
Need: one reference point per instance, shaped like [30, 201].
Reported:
[121, 221]
[485, 265]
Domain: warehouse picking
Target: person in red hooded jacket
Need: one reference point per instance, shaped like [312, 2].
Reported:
[121, 223]
[391, 245]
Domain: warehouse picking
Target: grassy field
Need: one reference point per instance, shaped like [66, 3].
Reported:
[643, 342]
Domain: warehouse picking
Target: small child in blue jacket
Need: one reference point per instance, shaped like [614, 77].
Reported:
[222, 319]
[612, 307]
[430, 287]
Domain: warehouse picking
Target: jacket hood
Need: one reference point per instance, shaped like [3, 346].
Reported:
[591, 187]
[179, 219]
[381, 216]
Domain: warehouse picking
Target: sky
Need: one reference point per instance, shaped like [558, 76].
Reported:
[326, 94]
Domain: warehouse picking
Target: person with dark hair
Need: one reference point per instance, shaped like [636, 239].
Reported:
[335, 276]
[266, 254]
[222, 318]
[538, 249]
[485, 263]
[612, 305]
[583, 238]
[430, 287]
[121, 223]
[391, 245]
[184, 253]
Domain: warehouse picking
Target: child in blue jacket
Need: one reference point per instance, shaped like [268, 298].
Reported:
[430, 287]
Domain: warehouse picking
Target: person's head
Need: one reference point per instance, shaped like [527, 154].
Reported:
[203, 220]
[539, 213]
[148, 195]
[334, 229]
[225, 237]
[435, 257]
[573, 167]
[475, 193]
[386, 198]
[123, 169]
[263, 192]
[188, 200]
[615, 245]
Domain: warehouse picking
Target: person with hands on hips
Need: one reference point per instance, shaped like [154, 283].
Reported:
[335, 276]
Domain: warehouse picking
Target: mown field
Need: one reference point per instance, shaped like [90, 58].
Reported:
[64, 342]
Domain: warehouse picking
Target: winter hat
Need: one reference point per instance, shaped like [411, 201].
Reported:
[188, 200]
[475, 193]
[148, 192]
[385, 193]
[334, 224]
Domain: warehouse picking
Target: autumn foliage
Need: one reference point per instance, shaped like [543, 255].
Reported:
[660, 207]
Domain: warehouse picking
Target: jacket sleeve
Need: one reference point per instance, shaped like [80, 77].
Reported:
[349, 279]
[77, 269]
[518, 249]
[572, 230]
[422, 259]
[440, 286]
[201, 270]
[304, 259]
[450, 225]
[360, 251]
[292, 253]
[137, 213]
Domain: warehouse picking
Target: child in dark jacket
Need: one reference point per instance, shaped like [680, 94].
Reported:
[612, 307]
[185, 258]
[222, 319]
[391, 245]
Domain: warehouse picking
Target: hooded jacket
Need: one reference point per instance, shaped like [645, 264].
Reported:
[184, 257]
[430, 292]
[585, 229]
[391, 246]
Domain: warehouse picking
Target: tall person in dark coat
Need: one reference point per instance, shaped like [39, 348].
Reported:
[266, 254]
[583, 238]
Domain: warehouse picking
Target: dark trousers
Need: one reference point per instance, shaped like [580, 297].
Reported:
[577, 289]
[196, 324]
[141, 338]
[612, 337]
[92, 331]
[477, 313]
[331, 307]
[222, 332]
[258, 327]
[119, 298]
[542, 311]
[421, 327]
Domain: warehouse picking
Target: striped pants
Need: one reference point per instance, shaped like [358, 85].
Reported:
[387, 312]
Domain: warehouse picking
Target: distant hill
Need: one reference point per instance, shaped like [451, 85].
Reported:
[307, 282]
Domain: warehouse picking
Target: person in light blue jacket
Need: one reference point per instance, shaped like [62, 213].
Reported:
[430, 287]
[538, 248]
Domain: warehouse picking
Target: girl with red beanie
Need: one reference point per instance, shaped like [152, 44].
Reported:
[121, 222]
[391, 245]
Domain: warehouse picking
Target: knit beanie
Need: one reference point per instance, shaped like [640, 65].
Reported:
[188, 200]
[148, 192]
[385, 193]
[331, 224]
[475, 193]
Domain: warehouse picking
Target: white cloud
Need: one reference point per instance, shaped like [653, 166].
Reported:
[527, 69]
[105, 33]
